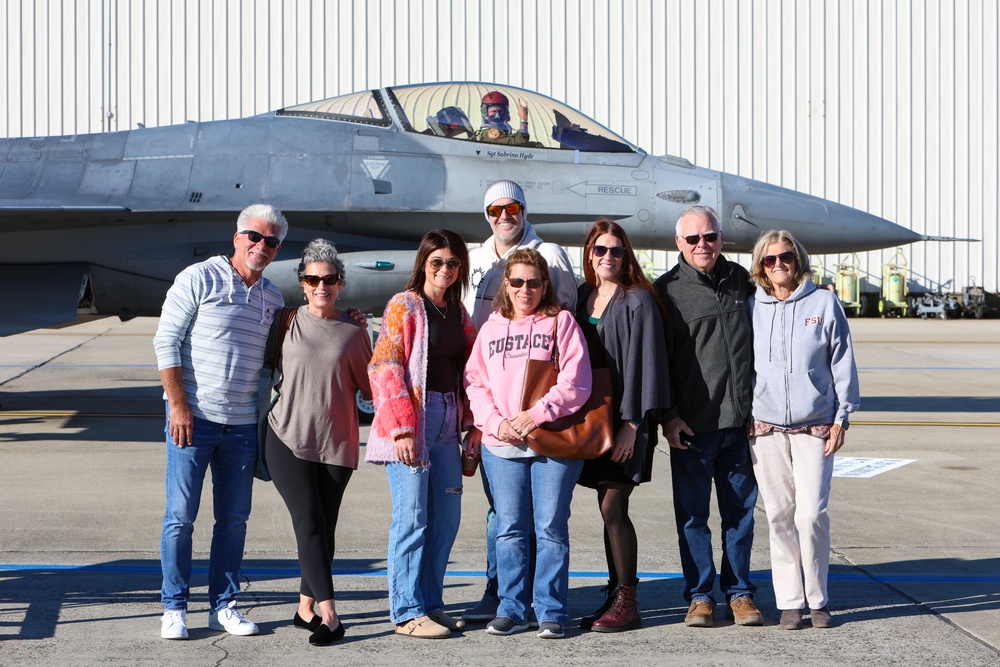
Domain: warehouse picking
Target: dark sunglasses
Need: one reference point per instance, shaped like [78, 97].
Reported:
[518, 283]
[328, 279]
[437, 263]
[257, 237]
[512, 208]
[711, 237]
[617, 251]
[786, 258]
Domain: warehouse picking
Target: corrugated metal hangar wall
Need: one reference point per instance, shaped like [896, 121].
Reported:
[890, 107]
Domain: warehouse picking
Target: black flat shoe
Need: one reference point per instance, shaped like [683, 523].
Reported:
[324, 636]
[307, 625]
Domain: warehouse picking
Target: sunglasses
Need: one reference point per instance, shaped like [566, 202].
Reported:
[711, 237]
[512, 208]
[617, 251]
[437, 263]
[328, 279]
[518, 283]
[256, 237]
[786, 258]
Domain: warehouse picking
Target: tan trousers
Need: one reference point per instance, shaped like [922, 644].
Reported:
[793, 477]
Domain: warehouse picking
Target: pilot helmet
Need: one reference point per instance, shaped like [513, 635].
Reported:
[501, 119]
[450, 122]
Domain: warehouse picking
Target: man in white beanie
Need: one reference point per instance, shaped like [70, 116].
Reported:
[506, 211]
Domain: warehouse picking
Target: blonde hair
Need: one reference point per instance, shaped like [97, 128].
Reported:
[766, 239]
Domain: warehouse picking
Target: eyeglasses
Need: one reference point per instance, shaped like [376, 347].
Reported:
[617, 251]
[532, 283]
[786, 258]
[328, 279]
[710, 237]
[512, 208]
[256, 237]
[437, 263]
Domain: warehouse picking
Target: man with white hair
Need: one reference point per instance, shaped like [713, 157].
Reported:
[209, 350]
[710, 348]
[506, 211]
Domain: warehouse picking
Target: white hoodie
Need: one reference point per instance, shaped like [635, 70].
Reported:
[486, 269]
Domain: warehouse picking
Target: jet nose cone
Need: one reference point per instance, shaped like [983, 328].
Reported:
[823, 226]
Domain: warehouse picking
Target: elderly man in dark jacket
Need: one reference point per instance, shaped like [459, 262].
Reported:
[710, 352]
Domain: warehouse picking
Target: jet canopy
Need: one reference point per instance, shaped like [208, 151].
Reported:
[454, 110]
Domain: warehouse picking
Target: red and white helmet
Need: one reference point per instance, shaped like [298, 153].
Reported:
[496, 99]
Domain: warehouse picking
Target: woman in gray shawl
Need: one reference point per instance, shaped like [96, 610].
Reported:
[622, 319]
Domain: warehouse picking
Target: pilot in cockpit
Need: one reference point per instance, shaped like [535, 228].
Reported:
[496, 127]
[451, 123]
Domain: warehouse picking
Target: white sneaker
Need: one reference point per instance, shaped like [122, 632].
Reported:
[174, 624]
[232, 621]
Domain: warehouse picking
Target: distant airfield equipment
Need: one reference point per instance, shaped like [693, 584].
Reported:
[943, 306]
[848, 285]
[974, 300]
[892, 303]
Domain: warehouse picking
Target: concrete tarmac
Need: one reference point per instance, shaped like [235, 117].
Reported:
[915, 574]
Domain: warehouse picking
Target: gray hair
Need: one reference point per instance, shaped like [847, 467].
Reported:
[706, 211]
[321, 250]
[266, 213]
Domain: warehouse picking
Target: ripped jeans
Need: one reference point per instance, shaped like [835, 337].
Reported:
[426, 511]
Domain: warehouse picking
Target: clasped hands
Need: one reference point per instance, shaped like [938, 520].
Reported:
[517, 428]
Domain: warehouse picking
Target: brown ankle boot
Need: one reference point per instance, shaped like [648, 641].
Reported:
[624, 612]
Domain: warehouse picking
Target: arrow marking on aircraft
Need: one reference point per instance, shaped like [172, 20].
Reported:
[587, 189]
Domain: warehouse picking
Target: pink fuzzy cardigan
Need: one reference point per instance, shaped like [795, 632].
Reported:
[398, 375]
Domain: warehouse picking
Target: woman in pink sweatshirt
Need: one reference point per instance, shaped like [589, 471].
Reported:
[531, 492]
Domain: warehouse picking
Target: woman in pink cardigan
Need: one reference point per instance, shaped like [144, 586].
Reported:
[420, 411]
[531, 493]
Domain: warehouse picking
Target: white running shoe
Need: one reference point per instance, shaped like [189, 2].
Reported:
[174, 624]
[232, 621]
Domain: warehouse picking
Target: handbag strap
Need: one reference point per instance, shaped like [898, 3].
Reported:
[555, 343]
[284, 321]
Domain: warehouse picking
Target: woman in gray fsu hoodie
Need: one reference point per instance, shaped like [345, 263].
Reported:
[805, 386]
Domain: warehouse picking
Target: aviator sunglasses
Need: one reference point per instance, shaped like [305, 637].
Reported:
[710, 237]
[437, 263]
[512, 208]
[518, 283]
[257, 237]
[786, 258]
[328, 279]
[617, 251]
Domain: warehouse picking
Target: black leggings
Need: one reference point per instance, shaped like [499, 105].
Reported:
[312, 493]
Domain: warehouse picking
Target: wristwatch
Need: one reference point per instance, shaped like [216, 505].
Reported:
[844, 424]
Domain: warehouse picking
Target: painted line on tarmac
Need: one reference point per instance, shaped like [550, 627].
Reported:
[928, 368]
[291, 572]
[899, 423]
[66, 415]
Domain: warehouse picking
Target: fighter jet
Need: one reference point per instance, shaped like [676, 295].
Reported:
[101, 223]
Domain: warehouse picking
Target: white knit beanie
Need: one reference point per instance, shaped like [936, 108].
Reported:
[503, 190]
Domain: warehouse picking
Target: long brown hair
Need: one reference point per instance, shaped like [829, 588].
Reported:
[436, 239]
[548, 305]
[631, 276]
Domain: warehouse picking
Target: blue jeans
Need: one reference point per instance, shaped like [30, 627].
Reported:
[491, 537]
[426, 511]
[725, 459]
[532, 493]
[230, 452]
